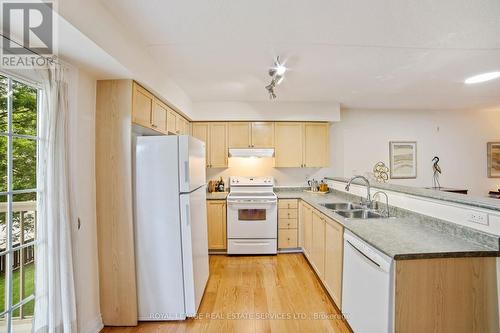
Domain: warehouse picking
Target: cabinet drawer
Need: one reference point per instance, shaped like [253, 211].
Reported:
[287, 238]
[288, 203]
[287, 223]
[287, 214]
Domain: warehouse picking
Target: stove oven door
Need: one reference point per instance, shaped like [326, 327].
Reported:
[252, 219]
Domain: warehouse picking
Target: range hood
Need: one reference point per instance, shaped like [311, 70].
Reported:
[251, 152]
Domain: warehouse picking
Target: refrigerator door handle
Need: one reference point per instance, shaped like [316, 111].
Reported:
[188, 218]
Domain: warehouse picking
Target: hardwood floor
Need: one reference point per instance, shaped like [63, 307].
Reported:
[257, 294]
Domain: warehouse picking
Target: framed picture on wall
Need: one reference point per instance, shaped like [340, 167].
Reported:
[403, 158]
[494, 159]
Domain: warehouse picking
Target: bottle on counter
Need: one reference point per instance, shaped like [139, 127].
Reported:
[220, 185]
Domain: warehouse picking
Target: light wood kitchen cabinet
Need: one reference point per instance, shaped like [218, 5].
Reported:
[150, 112]
[306, 220]
[142, 106]
[160, 113]
[115, 103]
[216, 219]
[262, 134]
[239, 135]
[201, 131]
[288, 232]
[215, 137]
[301, 145]
[171, 121]
[334, 251]
[287, 238]
[456, 295]
[251, 134]
[218, 145]
[318, 244]
[316, 147]
[288, 204]
[288, 145]
[181, 125]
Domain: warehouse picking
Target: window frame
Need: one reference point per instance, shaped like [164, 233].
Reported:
[10, 249]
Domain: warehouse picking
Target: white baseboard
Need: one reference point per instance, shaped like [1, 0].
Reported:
[93, 326]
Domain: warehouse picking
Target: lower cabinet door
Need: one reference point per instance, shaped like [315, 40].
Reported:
[318, 244]
[307, 220]
[334, 248]
[216, 219]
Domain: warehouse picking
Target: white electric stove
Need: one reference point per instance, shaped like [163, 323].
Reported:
[252, 216]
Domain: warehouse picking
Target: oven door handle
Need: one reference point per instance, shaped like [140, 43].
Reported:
[252, 201]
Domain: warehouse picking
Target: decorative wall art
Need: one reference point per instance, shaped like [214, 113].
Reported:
[380, 171]
[494, 159]
[403, 157]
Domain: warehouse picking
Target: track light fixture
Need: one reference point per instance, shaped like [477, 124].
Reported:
[277, 73]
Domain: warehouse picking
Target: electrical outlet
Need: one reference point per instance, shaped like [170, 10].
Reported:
[478, 217]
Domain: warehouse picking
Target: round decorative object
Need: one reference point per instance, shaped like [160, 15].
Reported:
[380, 171]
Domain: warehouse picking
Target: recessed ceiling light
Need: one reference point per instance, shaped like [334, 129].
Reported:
[482, 77]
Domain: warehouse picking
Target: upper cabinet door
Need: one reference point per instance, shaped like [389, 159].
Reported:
[171, 119]
[316, 145]
[142, 107]
[218, 145]
[186, 130]
[184, 126]
[201, 131]
[179, 124]
[239, 135]
[160, 112]
[288, 143]
[262, 135]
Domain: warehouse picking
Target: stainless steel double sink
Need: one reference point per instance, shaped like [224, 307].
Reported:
[351, 210]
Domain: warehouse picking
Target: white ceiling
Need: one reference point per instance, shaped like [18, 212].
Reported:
[364, 54]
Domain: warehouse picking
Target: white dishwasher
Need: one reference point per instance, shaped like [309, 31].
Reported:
[367, 287]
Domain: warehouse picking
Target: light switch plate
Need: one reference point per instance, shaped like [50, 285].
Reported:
[478, 217]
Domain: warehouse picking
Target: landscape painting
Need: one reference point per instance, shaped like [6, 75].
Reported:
[494, 159]
[403, 157]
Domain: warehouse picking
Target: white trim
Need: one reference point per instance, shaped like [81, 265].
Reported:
[9, 205]
[19, 77]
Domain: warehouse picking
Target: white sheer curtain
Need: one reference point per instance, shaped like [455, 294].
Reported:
[55, 309]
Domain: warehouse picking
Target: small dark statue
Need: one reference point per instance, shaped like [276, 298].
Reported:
[437, 172]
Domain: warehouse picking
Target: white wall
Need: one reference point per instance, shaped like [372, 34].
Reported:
[459, 138]
[122, 44]
[82, 190]
[271, 110]
[265, 167]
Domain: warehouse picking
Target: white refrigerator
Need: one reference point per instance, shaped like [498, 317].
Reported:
[170, 221]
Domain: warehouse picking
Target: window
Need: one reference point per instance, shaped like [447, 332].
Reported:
[19, 104]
